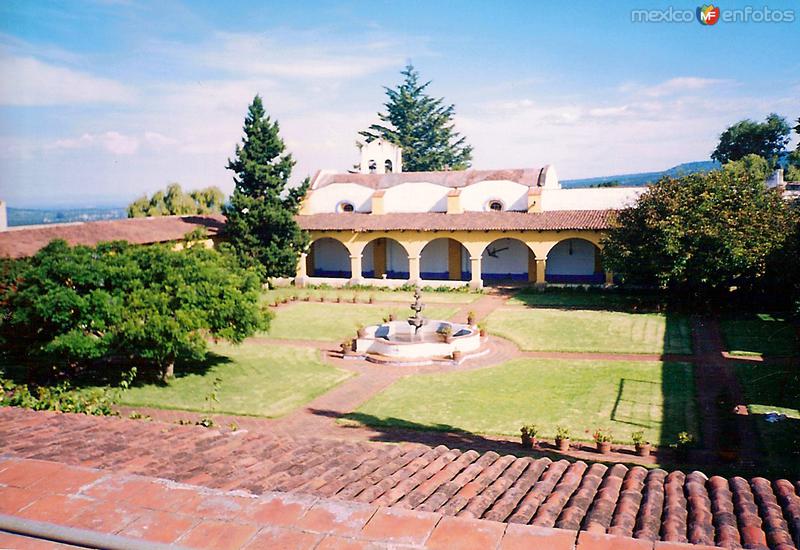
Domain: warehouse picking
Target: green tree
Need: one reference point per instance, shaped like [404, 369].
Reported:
[793, 159]
[74, 306]
[766, 139]
[749, 166]
[700, 235]
[260, 217]
[422, 126]
[174, 201]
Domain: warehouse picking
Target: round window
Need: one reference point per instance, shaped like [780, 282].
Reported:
[497, 206]
[346, 207]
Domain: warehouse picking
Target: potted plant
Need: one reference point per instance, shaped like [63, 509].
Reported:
[285, 300]
[372, 299]
[361, 331]
[307, 298]
[482, 329]
[338, 299]
[275, 303]
[391, 317]
[471, 318]
[528, 434]
[321, 297]
[562, 439]
[347, 346]
[446, 333]
[642, 446]
[354, 299]
[456, 355]
[684, 442]
[295, 297]
[602, 437]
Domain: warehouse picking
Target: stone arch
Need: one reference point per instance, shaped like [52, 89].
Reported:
[384, 257]
[328, 257]
[444, 259]
[574, 260]
[508, 259]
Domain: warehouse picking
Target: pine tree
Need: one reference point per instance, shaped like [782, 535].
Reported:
[260, 216]
[422, 126]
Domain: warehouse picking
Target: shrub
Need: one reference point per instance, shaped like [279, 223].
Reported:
[529, 430]
[562, 432]
[602, 435]
[638, 437]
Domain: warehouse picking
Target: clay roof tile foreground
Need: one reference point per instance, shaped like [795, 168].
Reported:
[560, 220]
[615, 499]
[26, 241]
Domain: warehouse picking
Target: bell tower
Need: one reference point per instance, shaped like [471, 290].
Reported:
[380, 157]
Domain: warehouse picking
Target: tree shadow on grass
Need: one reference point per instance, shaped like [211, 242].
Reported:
[597, 299]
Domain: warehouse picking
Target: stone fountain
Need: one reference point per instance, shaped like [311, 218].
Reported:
[418, 340]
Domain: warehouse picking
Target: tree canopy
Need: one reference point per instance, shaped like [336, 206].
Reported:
[72, 306]
[260, 217]
[422, 126]
[749, 166]
[701, 235]
[174, 201]
[766, 139]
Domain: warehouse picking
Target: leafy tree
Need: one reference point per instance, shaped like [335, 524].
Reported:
[151, 305]
[260, 217]
[793, 159]
[766, 139]
[700, 235]
[749, 166]
[174, 201]
[422, 126]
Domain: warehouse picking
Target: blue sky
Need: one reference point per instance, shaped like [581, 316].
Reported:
[102, 101]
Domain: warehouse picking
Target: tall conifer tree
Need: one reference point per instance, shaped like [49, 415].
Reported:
[422, 126]
[260, 216]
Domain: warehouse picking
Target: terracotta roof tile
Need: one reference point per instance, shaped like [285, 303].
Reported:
[471, 221]
[616, 500]
[19, 243]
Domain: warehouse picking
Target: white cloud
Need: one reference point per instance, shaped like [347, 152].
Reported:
[675, 86]
[26, 81]
[113, 142]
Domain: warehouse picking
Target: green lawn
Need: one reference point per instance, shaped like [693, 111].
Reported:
[363, 296]
[335, 322]
[769, 388]
[624, 396]
[592, 331]
[256, 379]
[607, 299]
[760, 334]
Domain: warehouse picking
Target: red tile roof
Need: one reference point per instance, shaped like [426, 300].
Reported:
[472, 221]
[19, 243]
[455, 178]
[633, 502]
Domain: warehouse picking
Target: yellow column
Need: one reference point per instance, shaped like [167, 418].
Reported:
[609, 278]
[475, 280]
[541, 267]
[454, 259]
[413, 270]
[301, 279]
[355, 270]
[531, 266]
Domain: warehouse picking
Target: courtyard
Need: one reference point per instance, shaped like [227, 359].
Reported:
[561, 359]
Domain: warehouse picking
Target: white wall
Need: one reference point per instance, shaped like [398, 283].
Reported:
[331, 255]
[580, 262]
[513, 260]
[327, 198]
[416, 197]
[396, 257]
[590, 199]
[435, 257]
[380, 151]
[514, 196]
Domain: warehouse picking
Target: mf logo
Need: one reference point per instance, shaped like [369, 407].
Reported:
[708, 15]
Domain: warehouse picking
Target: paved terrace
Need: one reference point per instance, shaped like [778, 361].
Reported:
[75, 469]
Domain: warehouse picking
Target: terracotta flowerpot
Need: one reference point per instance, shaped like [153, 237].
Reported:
[457, 355]
[391, 317]
[563, 444]
[643, 449]
[470, 321]
[483, 332]
[604, 447]
[338, 300]
[306, 298]
[528, 442]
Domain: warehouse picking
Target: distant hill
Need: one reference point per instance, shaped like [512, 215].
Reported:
[31, 216]
[643, 178]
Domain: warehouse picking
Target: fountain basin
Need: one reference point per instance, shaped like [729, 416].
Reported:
[397, 339]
